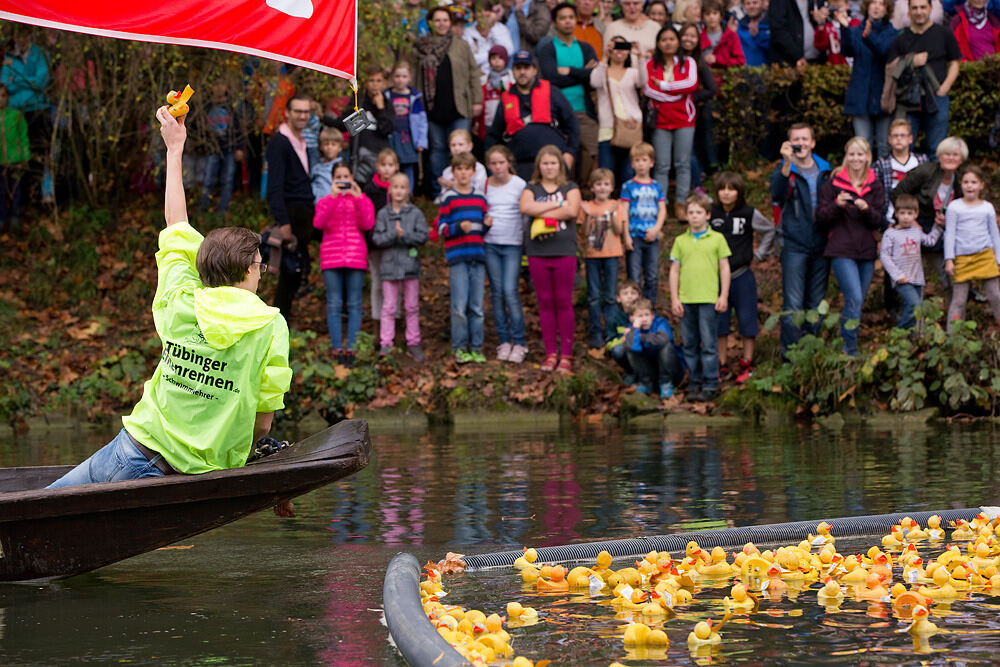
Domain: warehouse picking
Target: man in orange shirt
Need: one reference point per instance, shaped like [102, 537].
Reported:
[589, 28]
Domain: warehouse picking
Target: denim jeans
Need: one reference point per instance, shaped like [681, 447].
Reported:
[911, 296]
[655, 368]
[674, 147]
[468, 281]
[934, 125]
[620, 356]
[338, 283]
[437, 138]
[503, 264]
[602, 287]
[701, 345]
[642, 265]
[221, 169]
[116, 461]
[803, 284]
[876, 130]
[617, 160]
[854, 277]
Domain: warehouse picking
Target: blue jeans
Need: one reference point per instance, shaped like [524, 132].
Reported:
[602, 287]
[221, 169]
[437, 138]
[934, 125]
[338, 282]
[503, 264]
[803, 284]
[116, 461]
[642, 264]
[468, 281]
[876, 130]
[854, 277]
[617, 160]
[911, 296]
[674, 147]
[701, 345]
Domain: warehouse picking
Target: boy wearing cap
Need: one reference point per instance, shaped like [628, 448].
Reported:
[533, 113]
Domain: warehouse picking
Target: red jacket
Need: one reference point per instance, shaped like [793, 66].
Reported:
[960, 26]
[672, 99]
[728, 52]
[827, 39]
[541, 107]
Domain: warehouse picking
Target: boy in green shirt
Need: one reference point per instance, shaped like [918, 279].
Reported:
[224, 367]
[14, 156]
[699, 286]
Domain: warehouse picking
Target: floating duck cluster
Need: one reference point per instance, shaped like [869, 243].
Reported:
[895, 574]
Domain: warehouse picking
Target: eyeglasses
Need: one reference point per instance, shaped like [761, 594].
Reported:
[263, 266]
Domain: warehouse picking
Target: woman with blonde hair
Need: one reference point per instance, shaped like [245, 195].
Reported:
[851, 208]
[552, 202]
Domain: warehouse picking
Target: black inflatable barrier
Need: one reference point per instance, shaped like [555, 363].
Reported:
[411, 630]
[856, 526]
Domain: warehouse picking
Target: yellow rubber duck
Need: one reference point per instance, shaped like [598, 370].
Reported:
[855, 571]
[603, 565]
[494, 625]
[894, 539]
[740, 600]
[831, 594]
[529, 557]
[960, 578]
[921, 626]
[934, 530]
[579, 578]
[963, 531]
[872, 590]
[718, 567]
[942, 588]
[913, 570]
[703, 635]
[822, 536]
[983, 558]
[774, 586]
[552, 580]
[640, 634]
[529, 575]
[912, 530]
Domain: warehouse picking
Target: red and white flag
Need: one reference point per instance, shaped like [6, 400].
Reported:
[318, 34]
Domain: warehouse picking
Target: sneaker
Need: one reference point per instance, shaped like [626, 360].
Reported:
[517, 354]
[709, 394]
[746, 371]
[478, 356]
[462, 357]
[549, 364]
[348, 358]
[666, 390]
[503, 351]
[416, 353]
[644, 389]
[694, 395]
[628, 380]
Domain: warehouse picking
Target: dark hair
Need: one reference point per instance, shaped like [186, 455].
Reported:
[225, 256]
[435, 10]
[618, 39]
[657, 54]
[733, 181]
[463, 160]
[711, 6]
[300, 97]
[890, 7]
[975, 171]
[561, 6]
[907, 202]
[695, 54]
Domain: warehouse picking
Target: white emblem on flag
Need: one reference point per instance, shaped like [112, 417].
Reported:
[302, 9]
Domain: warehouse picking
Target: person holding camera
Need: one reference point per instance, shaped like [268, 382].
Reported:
[795, 185]
[930, 57]
[851, 208]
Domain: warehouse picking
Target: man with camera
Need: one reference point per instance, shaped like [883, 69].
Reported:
[795, 185]
[935, 56]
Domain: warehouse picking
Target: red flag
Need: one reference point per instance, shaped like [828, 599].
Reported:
[318, 34]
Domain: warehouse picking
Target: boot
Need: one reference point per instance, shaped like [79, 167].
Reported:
[680, 212]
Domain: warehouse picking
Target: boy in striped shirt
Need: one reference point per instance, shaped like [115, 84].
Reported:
[462, 222]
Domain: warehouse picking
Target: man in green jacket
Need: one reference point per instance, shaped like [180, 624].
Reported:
[14, 156]
[224, 367]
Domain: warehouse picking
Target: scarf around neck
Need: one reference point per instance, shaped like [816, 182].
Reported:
[432, 51]
[977, 17]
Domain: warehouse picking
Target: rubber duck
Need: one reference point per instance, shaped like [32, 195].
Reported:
[630, 576]
[774, 586]
[983, 559]
[695, 552]
[894, 539]
[980, 521]
[529, 575]
[579, 578]
[872, 590]
[719, 567]
[994, 583]
[640, 634]
[552, 580]
[831, 594]
[823, 535]
[627, 598]
[921, 626]
[912, 529]
[942, 588]
[903, 602]
[494, 625]
[754, 572]
[740, 600]
[603, 568]
[963, 531]
[882, 567]
[519, 615]
[913, 570]
[960, 578]
[934, 530]
[855, 571]
[703, 635]
[908, 553]
[529, 557]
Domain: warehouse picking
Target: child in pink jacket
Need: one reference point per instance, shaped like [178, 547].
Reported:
[343, 216]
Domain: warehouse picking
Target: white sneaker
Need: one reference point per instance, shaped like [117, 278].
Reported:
[517, 354]
[503, 351]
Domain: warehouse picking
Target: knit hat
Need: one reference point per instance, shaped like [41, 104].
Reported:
[498, 50]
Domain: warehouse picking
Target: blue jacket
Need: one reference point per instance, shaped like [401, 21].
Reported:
[755, 48]
[26, 79]
[649, 340]
[418, 117]
[864, 89]
[951, 6]
[798, 228]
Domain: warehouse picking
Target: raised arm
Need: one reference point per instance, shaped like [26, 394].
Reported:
[174, 134]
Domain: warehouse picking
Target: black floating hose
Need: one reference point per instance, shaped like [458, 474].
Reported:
[724, 537]
[411, 630]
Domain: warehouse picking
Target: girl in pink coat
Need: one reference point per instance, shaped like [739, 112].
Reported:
[343, 216]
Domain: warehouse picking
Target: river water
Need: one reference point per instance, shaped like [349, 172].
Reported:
[308, 590]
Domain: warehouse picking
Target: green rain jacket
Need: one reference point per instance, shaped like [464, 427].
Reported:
[225, 358]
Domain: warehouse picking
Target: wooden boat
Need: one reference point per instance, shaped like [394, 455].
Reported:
[57, 533]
